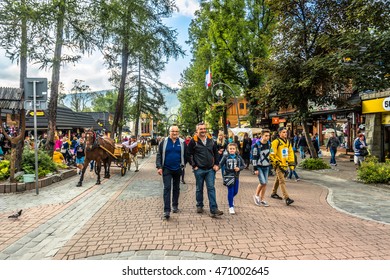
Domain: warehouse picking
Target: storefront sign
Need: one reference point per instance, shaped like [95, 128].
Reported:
[275, 120]
[386, 104]
[376, 105]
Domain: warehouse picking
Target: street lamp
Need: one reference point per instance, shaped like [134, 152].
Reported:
[219, 93]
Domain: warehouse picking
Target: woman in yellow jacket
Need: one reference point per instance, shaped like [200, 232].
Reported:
[281, 157]
[58, 157]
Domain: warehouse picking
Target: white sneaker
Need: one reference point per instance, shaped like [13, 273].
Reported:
[231, 210]
[297, 180]
[264, 203]
[256, 199]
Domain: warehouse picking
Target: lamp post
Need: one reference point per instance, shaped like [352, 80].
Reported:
[219, 93]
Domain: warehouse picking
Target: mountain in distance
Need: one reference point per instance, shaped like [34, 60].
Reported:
[171, 102]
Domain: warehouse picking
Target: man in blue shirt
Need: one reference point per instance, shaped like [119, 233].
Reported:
[170, 161]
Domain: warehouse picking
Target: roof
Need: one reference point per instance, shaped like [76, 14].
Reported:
[102, 117]
[66, 119]
[10, 98]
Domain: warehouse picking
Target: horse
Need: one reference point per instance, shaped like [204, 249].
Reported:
[97, 148]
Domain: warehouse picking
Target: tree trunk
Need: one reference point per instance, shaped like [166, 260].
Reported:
[22, 76]
[138, 110]
[313, 151]
[14, 143]
[55, 80]
[118, 117]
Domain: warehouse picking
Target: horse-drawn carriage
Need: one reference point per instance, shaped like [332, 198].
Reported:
[144, 147]
[122, 158]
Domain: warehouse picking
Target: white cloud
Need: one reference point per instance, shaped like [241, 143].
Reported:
[187, 7]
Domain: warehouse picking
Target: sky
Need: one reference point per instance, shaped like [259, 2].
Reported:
[91, 69]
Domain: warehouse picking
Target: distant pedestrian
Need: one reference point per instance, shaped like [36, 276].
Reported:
[203, 157]
[79, 153]
[221, 147]
[360, 149]
[246, 149]
[233, 164]
[332, 145]
[261, 163]
[302, 145]
[170, 161]
[282, 157]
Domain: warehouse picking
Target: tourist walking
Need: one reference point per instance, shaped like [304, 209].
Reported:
[261, 164]
[281, 157]
[170, 161]
[332, 145]
[360, 149]
[246, 150]
[221, 147]
[203, 157]
[232, 164]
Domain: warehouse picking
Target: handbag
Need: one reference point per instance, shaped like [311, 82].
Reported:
[363, 151]
[229, 181]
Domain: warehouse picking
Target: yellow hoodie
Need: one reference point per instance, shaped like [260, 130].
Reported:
[282, 153]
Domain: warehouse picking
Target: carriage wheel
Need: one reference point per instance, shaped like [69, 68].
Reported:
[123, 168]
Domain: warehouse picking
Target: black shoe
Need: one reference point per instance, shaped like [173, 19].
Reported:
[166, 215]
[276, 196]
[199, 210]
[289, 201]
[175, 210]
[216, 213]
[183, 182]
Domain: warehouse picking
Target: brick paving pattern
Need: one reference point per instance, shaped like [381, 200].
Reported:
[122, 219]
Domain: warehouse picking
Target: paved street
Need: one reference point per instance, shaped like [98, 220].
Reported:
[333, 217]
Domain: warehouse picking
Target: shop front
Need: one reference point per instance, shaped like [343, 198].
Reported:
[377, 115]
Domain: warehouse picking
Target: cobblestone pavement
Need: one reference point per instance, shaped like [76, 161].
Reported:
[122, 219]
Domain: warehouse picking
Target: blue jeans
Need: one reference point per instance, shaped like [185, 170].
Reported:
[208, 176]
[263, 174]
[302, 152]
[293, 172]
[232, 192]
[171, 180]
[333, 152]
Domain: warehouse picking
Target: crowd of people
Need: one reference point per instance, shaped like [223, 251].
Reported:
[267, 152]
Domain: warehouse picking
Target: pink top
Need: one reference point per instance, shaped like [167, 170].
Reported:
[57, 144]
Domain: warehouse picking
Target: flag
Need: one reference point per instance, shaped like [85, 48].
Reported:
[208, 78]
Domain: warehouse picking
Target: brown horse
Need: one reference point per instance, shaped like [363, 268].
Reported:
[96, 148]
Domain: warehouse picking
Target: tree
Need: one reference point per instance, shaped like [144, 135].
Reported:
[233, 34]
[70, 25]
[17, 33]
[315, 39]
[80, 96]
[134, 34]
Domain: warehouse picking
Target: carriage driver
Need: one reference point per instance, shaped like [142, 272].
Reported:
[131, 143]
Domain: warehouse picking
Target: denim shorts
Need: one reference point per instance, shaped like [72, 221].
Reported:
[263, 174]
[80, 160]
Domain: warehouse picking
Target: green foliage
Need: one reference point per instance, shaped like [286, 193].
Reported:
[374, 172]
[314, 164]
[45, 163]
[4, 169]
